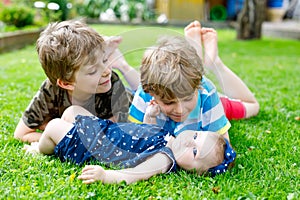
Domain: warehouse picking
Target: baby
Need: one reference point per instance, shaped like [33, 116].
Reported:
[141, 150]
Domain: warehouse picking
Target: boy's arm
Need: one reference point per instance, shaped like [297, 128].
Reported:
[157, 164]
[26, 134]
[36, 113]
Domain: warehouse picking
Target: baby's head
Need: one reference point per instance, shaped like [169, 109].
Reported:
[64, 47]
[202, 151]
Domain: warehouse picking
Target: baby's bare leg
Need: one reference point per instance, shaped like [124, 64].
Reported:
[54, 132]
[71, 112]
[192, 33]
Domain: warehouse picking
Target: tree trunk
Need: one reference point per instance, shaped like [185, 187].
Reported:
[250, 19]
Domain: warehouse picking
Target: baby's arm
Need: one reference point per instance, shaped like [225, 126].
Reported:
[157, 164]
[151, 112]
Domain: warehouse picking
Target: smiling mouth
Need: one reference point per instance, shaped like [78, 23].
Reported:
[178, 116]
[106, 82]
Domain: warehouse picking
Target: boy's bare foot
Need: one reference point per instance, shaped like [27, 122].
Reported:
[192, 33]
[115, 58]
[210, 44]
[117, 61]
[112, 43]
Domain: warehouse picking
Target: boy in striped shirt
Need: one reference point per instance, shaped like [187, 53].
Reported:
[175, 89]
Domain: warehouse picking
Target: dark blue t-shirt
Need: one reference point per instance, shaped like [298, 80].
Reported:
[120, 144]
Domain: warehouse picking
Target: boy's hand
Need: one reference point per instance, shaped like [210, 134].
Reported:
[92, 173]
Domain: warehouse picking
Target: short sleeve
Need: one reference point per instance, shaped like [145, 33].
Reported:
[139, 104]
[213, 116]
[48, 103]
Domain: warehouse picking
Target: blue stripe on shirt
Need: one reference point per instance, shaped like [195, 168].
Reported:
[217, 125]
[208, 108]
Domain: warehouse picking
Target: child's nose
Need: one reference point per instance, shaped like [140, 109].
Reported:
[178, 108]
[106, 72]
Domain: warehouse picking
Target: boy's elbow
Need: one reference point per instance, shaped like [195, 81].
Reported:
[19, 136]
[26, 134]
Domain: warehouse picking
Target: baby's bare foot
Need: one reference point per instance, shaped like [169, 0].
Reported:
[32, 149]
[210, 44]
[192, 33]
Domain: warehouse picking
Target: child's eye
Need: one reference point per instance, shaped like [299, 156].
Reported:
[92, 73]
[195, 151]
[168, 103]
[188, 99]
[195, 136]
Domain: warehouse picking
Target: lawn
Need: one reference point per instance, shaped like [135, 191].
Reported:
[267, 165]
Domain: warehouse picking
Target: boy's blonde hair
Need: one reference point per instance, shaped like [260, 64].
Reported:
[171, 69]
[63, 47]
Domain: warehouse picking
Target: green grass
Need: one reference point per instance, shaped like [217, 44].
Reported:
[267, 165]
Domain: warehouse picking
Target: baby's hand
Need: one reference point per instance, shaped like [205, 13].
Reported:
[153, 109]
[92, 173]
[33, 148]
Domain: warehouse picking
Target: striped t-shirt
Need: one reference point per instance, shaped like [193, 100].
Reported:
[208, 114]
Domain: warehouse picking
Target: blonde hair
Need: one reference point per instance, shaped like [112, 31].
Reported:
[171, 69]
[63, 47]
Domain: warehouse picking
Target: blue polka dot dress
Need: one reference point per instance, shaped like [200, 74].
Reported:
[119, 144]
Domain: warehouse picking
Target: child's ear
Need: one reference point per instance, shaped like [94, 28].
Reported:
[65, 85]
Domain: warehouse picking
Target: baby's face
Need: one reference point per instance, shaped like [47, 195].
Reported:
[191, 149]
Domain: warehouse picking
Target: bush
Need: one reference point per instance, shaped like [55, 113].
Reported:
[133, 8]
[18, 16]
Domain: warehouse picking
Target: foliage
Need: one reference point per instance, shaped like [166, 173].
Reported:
[17, 15]
[94, 8]
[267, 165]
[38, 16]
